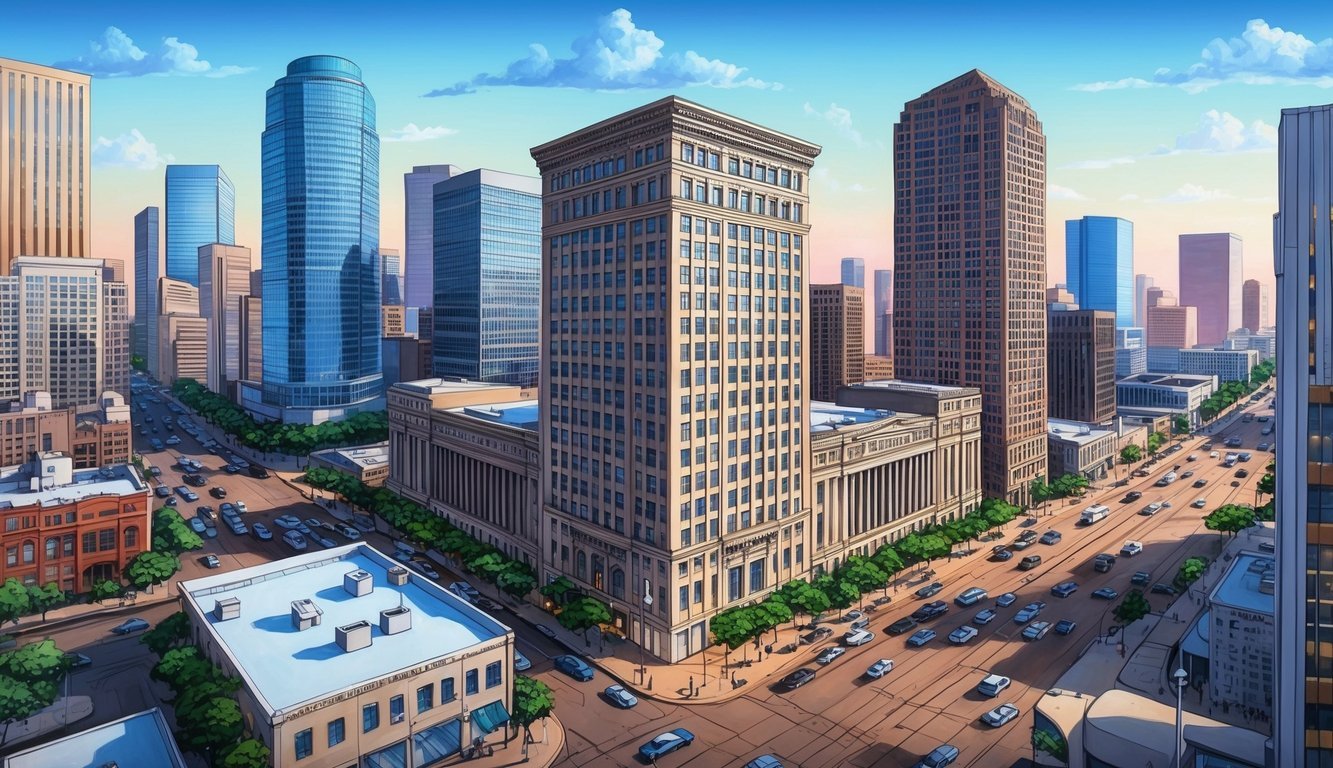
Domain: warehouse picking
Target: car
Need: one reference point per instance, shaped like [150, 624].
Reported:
[970, 596]
[129, 625]
[797, 679]
[143, 431]
[240, 507]
[1001, 553]
[901, 626]
[1105, 593]
[932, 610]
[1164, 589]
[1141, 578]
[1132, 496]
[984, 618]
[206, 513]
[618, 696]
[261, 532]
[217, 492]
[155, 471]
[1199, 503]
[1103, 563]
[1192, 457]
[1233, 442]
[939, 757]
[295, 540]
[1020, 545]
[830, 654]
[211, 561]
[325, 541]
[1263, 446]
[199, 526]
[1187, 473]
[857, 637]
[521, 662]
[1131, 548]
[314, 523]
[421, 566]
[1006, 600]
[992, 685]
[258, 472]
[1213, 454]
[851, 617]
[227, 508]
[764, 761]
[488, 604]
[173, 440]
[545, 630]
[1151, 509]
[666, 743]
[197, 480]
[1201, 482]
[1166, 505]
[1051, 537]
[815, 635]
[574, 667]
[1064, 588]
[464, 590]
[188, 495]
[962, 635]
[347, 532]
[879, 669]
[1001, 715]
[921, 637]
[231, 469]
[1242, 472]
[1140, 473]
[930, 590]
[1029, 562]
[1029, 612]
[287, 522]
[1065, 626]
[1036, 630]
[77, 660]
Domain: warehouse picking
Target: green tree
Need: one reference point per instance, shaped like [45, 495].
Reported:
[733, 627]
[45, 598]
[1191, 570]
[1266, 484]
[14, 601]
[516, 579]
[138, 363]
[1132, 607]
[1039, 491]
[29, 678]
[169, 633]
[533, 701]
[1155, 442]
[1131, 454]
[771, 614]
[803, 597]
[1180, 425]
[488, 566]
[1230, 519]
[1264, 513]
[208, 725]
[864, 574]
[148, 569]
[184, 668]
[584, 613]
[841, 593]
[888, 559]
[105, 590]
[559, 590]
[247, 753]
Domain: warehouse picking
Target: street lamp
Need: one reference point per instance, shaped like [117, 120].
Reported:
[1182, 679]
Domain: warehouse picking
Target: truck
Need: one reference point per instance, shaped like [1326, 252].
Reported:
[1093, 514]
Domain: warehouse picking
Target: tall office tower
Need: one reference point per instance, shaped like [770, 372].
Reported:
[252, 338]
[1210, 277]
[1141, 285]
[837, 339]
[391, 278]
[147, 269]
[1099, 265]
[1303, 253]
[224, 279]
[1080, 361]
[182, 335]
[673, 238]
[1254, 305]
[854, 272]
[1171, 325]
[321, 259]
[419, 228]
[993, 336]
[201, 209]
[257, 283]
[64, 329]
[883, 328]
[45, 163]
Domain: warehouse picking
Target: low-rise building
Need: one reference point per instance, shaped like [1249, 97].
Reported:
[141, 740]
[1241, 634]
[103, 437]
[348, 658]
[1157, 394]
[1263, 343]
[367, 463]
[1077, 448]
[1225, 364]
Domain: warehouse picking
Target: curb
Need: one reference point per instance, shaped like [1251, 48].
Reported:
[53, 624]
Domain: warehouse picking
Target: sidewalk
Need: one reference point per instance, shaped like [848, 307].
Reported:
[54, 618]
[548, 741]
[44, 721]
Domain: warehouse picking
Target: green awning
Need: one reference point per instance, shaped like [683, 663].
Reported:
[490, 717]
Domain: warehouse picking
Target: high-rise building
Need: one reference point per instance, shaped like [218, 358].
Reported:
[115, 329]
[883, 327]
[419, 226]
[1099, 265]
[1081, 358]
[1131, 351]
[392, 319]
[837, 339]
[46, 163]
[993, 336]
[488, 277]
[1254, 306]
[854, 272]
[321, 261]
[201, 209]
[224, 279]
[147, 269]
[252, 338]
[1210, 278]
[1171, 325]
[669, 344]
[182, 335]
[391, 278]
[1303, 254]
[1141, 285]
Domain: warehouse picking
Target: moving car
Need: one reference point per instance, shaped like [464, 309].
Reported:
[1065, 626]
[970, 596]
[1131, 548]
[901, 626]
[295, 540]
[930, 611]
[764, 761]
[258, 471]
[1200, 483]
[857, 637]
[1029, 562]
[129, 625]
[797, 679]
[617, 695]
[1264, 446]
[962, 635]
[1036, 630]
[939, 757]
[217, 492]
[211, 561]
[1132, 496]
[1103, 562]
[1051, 537]
[1242, 472]
[1199, 503]
[992, 685]
[1001, 553]
[1106, 593]
[574, 667]
[173, 440]
[879, 669]
[666, 743]
[984, 618]
[930, 590]
[1006, 600]
[1064, 589]
[830, 654]
[1029, 612]
[1187, 473]
[921, 637]
[1151, 509]
[261, 532]
[1000, 715]
[1141, 578]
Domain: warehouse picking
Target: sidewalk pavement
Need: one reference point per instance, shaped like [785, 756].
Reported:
[548, 741]
[66, 614]
[53, 718]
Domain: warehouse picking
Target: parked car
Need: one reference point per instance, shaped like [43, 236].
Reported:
[211, 561]
[666, 743]
[1105, 593]
[930, 590]
[545, 630]
[1103, 563]
[1001, 553]
[217, 492]
[129, 625]
[1000, 715]
[237, 527]
[258, 472]
[815, 635]
[617, 695]
[797, 679]
[574, 667]
[1164, 589]
[857, 637]
[921, 637]
[1051, 537]
[985, 617]
[1006, 600]
[295, 540]
[173, 440]
[464, 590]
[830, 654]
[932, 610]
[1036, 630]
[1141, 578]
[206, 513]
[962, 635]
[77, 660]
[1065, 626]
[261, 532]
[347, 531]
[521, 662]
[764, 761]
[993, 685]
[162, 491]
[1029, 612]
[939, 757]
[197, 525]
[1131, 548]
[879, 669]
[1064, 589]
[901, 626]
[970, 596]
[421, 566]
[327, 543]
[287, 522]
[232, 469]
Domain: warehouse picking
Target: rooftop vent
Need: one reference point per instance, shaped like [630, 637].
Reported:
[305, 614]
[227, 608]
[395, 620]
[353, 637]
[358, 583]
[398, 576]
[1267, 584]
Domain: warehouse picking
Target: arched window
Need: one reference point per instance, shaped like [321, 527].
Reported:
[132, 537]
[52, 548]
[581, 565]
[617, 583]
[29, 551]
[598, 572]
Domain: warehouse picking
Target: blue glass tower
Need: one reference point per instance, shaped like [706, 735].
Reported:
[487, 271]
[321, 210]
[1099, 265]
[201, 209]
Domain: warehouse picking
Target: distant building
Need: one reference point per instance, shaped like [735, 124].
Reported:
[1099, 265]
[147, 269]
[391, 277]
[419, 226]
[182, 333]
[1171, 325]
[1225, 364]
[1084, 450]
[837, 338]
[1210, 279]
[367, 463]
[1157, 394]
[405, 359]
[878, 368]
[1141, 285]
[1254, 306]
[854, 272]
[93, 438]
[1263, 343]
[224, 280]
[201, 209]
[252, 338]
[883, 315]
[1080, 368]
[1060, 294]
[1131, 351]
[392, 320]
[141, 740]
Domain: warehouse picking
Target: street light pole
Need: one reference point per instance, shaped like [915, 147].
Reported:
[1181, 678]
[643, 627]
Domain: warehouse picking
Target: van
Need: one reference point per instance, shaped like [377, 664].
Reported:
[1094, 513]
[1029, 562]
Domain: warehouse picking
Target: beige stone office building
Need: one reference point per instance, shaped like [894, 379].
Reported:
[392, 318]
[182, 333]
[252, 338]
[970, 242]
[837, 338]
[224, 279]
[1171, 325]
[45, 162]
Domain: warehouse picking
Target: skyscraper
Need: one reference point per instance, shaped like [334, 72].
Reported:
[642, 316]
[992, 336]
[1081, 361]
[46, 163]
[201, 209]
[1303, 253]
[1099, 265]
[147, 269]
[854, 272]
[1210, 276]
[488, 277]
[182, 335]
[321, 262]
[1141, 285]
[883, 317]
[391, 277]
[224, 279]
[1254, 305]
[419, 228]
[837, 339]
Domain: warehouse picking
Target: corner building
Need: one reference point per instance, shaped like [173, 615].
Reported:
[674, 402]
[970, 264]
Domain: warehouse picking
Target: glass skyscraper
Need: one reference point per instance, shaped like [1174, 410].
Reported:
[201, 209]
[321, 261]
[147, 269]
[1099, 265]
[487, 277]
[854, 272]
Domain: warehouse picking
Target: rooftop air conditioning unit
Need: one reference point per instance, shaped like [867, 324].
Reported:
[305, 614]
[227, 608]
[398, 576]
[358, 583]
[353, 637]
[395, 620]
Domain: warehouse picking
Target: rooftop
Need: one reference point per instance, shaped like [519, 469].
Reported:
[17, 484]
[137, 741]
[361, 457]
[284, 667]
[444, 386]
[518, 413]
[919, 387]
[1187, 380]
[1241, 586]
[1076, 431]
[826, 417]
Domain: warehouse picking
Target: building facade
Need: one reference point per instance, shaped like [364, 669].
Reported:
[1141, 285]
[1241, 635]
[321, 259]
[1081, 449]
[968, 341]
[878, 368]
[1155, 394]
[1131, 351]
[46, 166]
[883, 316]
[1254, 306]
[1099, 265]
[93, 438]
[224, 280]
[1081, 362]
[1210, 279]
[147, 269]
[1225, 364]
[405, 359]
[391, 277]
[367, 463]
[1171, 325]
[419, 228]
[252, 338]
[392, 320]
[837, 338]
[488, 277]
[854, 272]
[182, 334]
[201, 209]
[718, 477]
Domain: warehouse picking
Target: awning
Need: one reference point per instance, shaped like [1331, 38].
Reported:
[490, 717]
[394, 756]
[436, 743]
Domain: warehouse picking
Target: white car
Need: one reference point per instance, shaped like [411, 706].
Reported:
[464, 590]
[1131, 548]
[521, 662]
[828, 655]
[879, 669]
[1213, 454]
[992, 685]
[1200, 503]
[962, 635]
[1000, 715]
[857, 637]
[240, 507]
[295, 540]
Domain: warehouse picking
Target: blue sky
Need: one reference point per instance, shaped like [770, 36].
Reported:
[1188, 149]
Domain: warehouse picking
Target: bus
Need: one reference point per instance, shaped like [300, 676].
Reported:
[1093, 514]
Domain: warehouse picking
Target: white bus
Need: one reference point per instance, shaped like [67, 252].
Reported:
[1094, 513]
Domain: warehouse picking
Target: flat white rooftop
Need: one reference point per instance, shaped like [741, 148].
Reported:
[1075, 431]
[918, 386]
[828, 416]
[137, 741]
[443, 386]
[1241, 586]
[362, 456]
[16, 485]
[285, 668]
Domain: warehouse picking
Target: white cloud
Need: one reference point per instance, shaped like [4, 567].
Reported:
[618, 55]
[1193, 193]
[128, 150]
[1114, 85]
[411, 133]
[1223, 132]
[116, 55]
[1098, 165]
[841, 120]
[1057, 192]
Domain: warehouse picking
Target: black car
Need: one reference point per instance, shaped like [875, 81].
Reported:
[797, 679]
[930, 611]
[1164, 589]
[195, 480]
[258, 471]
[1132, 496]
[930, 590]
[217, 492]
[817, 634]
[901, 626]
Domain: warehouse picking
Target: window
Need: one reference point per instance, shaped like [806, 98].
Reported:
[425, 698]
[493, 674]
[396, 709]
[132, 537]
[470, 682]
[446, 690]
[370, 717]
[337, 732]
[305, 744]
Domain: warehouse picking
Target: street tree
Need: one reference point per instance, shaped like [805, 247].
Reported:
[864, 573]
[1133, 607]
[804, 598]
[29, 678]
[246, 753]
[1039, 491]
[105, 589]
[1180, 425]
[209, 725]
[584, 613]
[1265, 484]
[1155, 442]
[1131, 454]
[533, 701]
[771, 614]
[45, 598]
[516, 579]
[559, 590]
[14, 601]
[1191, 570]
[841, 593]
[169, 633]
[1230, 519]
[149, 569]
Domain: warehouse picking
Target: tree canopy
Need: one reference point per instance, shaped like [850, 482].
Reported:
[1230, 519]
[533, 700]
[1130, 454]
[1132, 607]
